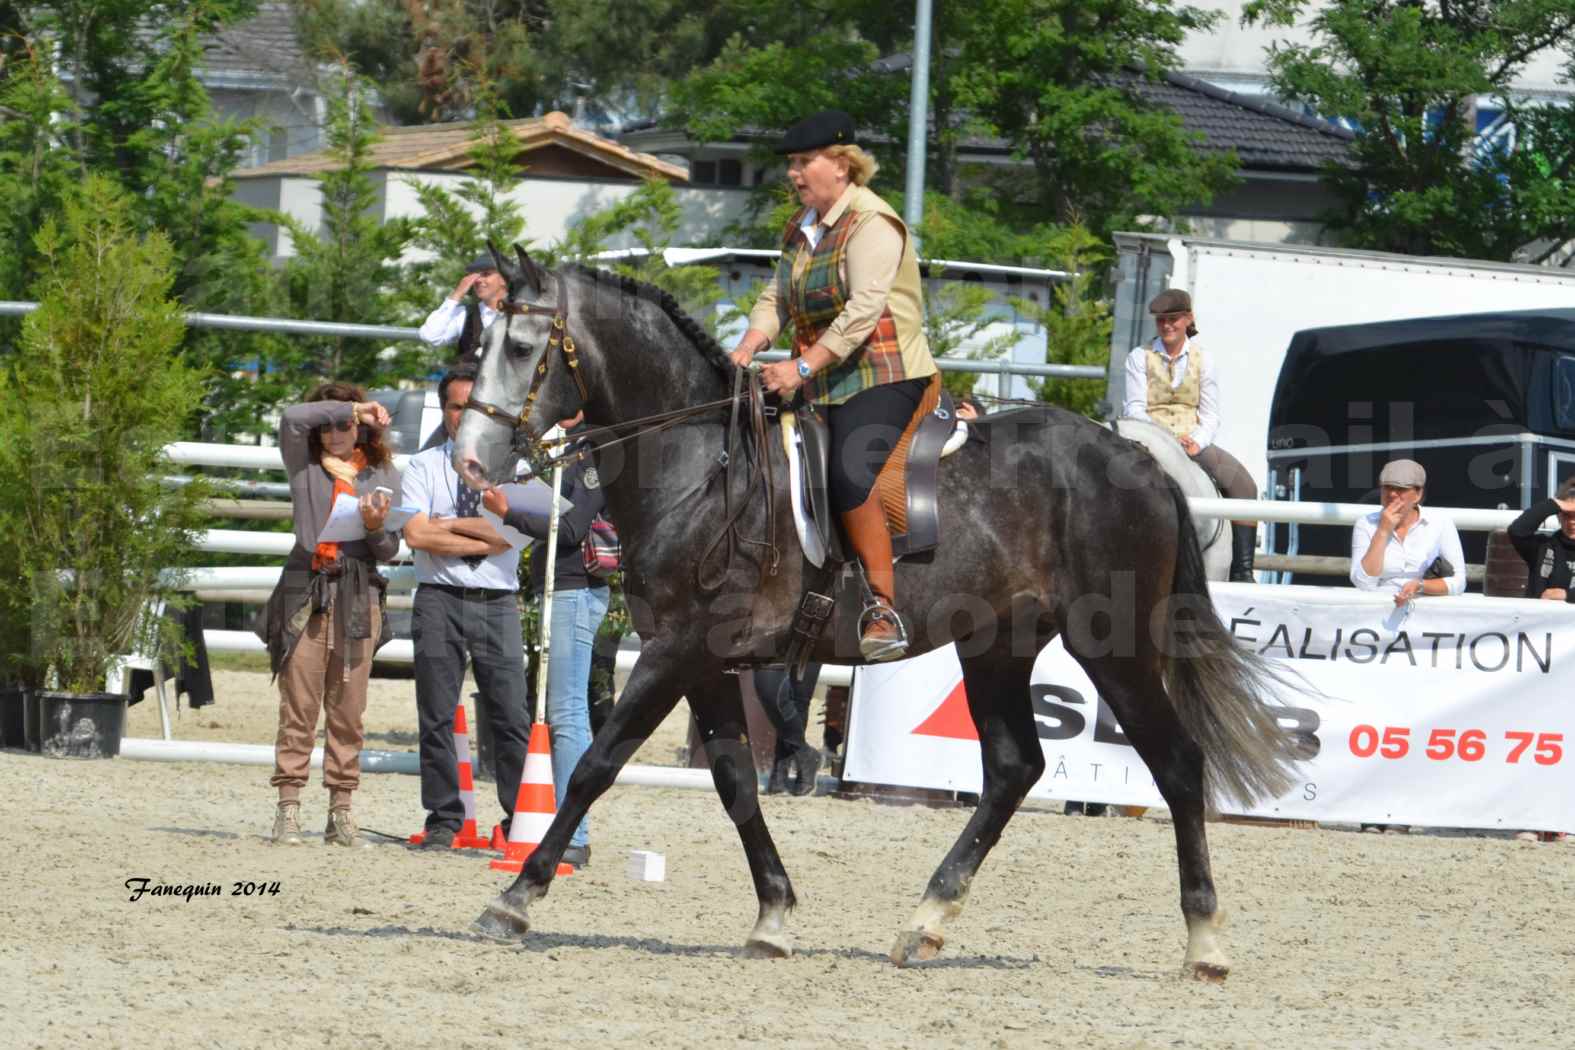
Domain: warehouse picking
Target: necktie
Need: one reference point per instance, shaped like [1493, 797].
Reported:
[467, 504]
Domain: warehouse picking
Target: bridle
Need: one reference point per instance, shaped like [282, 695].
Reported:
[557, 339]
[746, 391]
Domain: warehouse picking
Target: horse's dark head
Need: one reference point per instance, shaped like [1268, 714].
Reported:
[523, 385]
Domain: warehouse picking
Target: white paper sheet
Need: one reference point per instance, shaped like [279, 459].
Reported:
[533, 495]
[344, 520]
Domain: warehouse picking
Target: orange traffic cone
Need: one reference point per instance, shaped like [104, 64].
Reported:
[467, 837]
[534, 808]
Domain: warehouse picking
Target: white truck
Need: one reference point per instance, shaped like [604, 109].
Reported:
[1250, 299]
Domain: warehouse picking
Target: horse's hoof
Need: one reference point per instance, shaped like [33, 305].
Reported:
[501, 921]
[1209, 973]
[767, 946]
[916, 946]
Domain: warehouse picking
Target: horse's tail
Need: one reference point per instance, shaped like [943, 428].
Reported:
[1217, 685]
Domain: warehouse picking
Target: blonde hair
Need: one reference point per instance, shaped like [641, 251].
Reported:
[861, 166]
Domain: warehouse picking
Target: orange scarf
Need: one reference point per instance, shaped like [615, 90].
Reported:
[343, 472]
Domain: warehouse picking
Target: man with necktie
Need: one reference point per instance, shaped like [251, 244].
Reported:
[466, 604]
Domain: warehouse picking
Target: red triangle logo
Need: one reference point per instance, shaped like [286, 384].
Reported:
[952, 719]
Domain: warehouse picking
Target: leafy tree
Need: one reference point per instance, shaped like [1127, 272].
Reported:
[1077, 321]
[111, 88]
[456, 224]
[1408, 75]
[348, 271]
[1060, 81]
[86, 407]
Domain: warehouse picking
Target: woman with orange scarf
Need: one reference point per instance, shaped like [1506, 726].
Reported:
[325, 618]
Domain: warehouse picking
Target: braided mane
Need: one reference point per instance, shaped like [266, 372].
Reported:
[702, 340]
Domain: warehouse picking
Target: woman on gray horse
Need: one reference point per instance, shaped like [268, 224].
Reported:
[848, 283]
[1171, 382]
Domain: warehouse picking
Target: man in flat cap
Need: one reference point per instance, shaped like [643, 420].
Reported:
[461, 321]
[1402, 548]
[1171, 382]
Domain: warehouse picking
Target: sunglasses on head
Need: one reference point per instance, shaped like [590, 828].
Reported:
[342, 426]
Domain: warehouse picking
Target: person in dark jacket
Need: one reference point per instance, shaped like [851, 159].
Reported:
[1552, 556]
[579, 604]
[326, 618]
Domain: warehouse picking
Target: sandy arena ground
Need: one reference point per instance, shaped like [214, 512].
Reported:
[1072, 936]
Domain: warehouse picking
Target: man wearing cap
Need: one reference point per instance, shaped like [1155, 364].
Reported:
[1402, 548]
[461, 322]
[1171, 382]
[848, 284]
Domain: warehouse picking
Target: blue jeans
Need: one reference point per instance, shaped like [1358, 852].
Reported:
[576, 615]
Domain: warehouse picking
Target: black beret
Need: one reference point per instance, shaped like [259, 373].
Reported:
[481, 264]
[829, 127]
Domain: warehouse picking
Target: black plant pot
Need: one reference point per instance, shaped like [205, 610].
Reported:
[76, 725]
[12, 703]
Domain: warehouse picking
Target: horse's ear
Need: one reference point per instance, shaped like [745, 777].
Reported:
[534, 275]
[504, 266]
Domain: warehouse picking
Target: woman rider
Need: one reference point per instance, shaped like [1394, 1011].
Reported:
[848, 283]
[1171, 382]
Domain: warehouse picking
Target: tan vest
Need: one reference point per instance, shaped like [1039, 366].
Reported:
[1176, 409]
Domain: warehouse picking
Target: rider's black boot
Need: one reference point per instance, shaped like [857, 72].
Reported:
[1243, 541]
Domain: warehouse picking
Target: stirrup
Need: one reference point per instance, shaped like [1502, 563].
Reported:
[877, 650]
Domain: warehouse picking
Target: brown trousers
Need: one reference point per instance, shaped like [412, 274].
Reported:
[318, 677]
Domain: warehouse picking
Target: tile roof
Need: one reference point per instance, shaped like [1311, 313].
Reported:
[445, 147]
[1263, 134]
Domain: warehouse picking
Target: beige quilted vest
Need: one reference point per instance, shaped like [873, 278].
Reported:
[1174, 408]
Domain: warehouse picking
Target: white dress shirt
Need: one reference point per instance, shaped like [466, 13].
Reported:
[444, 324]
[1135, 406]
[430, 484]
[1430, 535]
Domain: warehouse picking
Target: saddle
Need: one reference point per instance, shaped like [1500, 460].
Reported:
[907, 487]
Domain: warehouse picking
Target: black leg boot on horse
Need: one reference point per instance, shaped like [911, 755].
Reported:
[882, 636]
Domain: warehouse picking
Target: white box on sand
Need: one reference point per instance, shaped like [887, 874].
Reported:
[647, 866]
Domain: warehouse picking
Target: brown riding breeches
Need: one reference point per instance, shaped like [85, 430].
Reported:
[1227, 472]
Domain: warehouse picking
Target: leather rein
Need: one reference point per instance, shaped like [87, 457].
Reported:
[760, 473]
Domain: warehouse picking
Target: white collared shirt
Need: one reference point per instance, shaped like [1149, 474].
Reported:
[430, 484]
[1430, 536]
[444, 324]
[1135, 406]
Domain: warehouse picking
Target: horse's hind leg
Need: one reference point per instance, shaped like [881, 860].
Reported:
[1135, 691]
[998, 700]
[719, 714]
[653, 689]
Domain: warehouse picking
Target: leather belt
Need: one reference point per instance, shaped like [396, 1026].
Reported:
[471, 594]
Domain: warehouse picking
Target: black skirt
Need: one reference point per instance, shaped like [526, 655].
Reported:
[864, 430]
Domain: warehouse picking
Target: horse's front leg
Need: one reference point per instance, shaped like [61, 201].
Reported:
[653, 689]
[998, 700]
[719, 714]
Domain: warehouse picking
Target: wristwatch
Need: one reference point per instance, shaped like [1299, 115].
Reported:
[804, 371]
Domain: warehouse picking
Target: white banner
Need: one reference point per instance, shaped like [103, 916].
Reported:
[1452, 712]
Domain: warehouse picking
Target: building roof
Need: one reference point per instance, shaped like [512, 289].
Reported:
[263, 46]
[559, 148]
[1263, 134]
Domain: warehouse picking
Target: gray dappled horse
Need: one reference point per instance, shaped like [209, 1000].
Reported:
[1050, 526]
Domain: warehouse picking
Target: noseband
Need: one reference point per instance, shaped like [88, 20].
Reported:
[559, 340]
